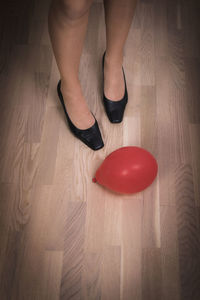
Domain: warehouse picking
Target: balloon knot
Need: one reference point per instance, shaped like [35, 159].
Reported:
[94, 179]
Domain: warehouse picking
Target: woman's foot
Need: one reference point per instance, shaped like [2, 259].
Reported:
[114, 87]
[76, 106]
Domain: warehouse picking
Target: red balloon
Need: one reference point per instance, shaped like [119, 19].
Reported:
[127, 170]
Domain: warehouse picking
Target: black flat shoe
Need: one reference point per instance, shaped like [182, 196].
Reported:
[115, 109]
[90, 136]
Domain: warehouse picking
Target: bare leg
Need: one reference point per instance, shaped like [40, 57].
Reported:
[67, 24]
[118, 17]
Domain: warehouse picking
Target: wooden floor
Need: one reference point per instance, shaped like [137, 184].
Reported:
[63, 236]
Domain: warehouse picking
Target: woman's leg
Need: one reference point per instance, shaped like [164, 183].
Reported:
[67, 24]
[118, 18]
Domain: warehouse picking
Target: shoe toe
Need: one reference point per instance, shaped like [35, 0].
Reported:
[92, 137]
[98, 146]
[116, 116]
[95, 143]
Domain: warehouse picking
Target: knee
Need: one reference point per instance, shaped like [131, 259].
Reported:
[74, 9]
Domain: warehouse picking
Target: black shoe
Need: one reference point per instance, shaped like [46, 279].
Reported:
[115, 109]
[90, 136]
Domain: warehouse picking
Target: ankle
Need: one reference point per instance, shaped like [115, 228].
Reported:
[70, 86]
[114, 59]
[73, 96]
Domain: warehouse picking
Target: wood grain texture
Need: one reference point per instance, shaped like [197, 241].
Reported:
[188, 233]
[63, 236]
[111, 271]
[73, 251]
[131, 276]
